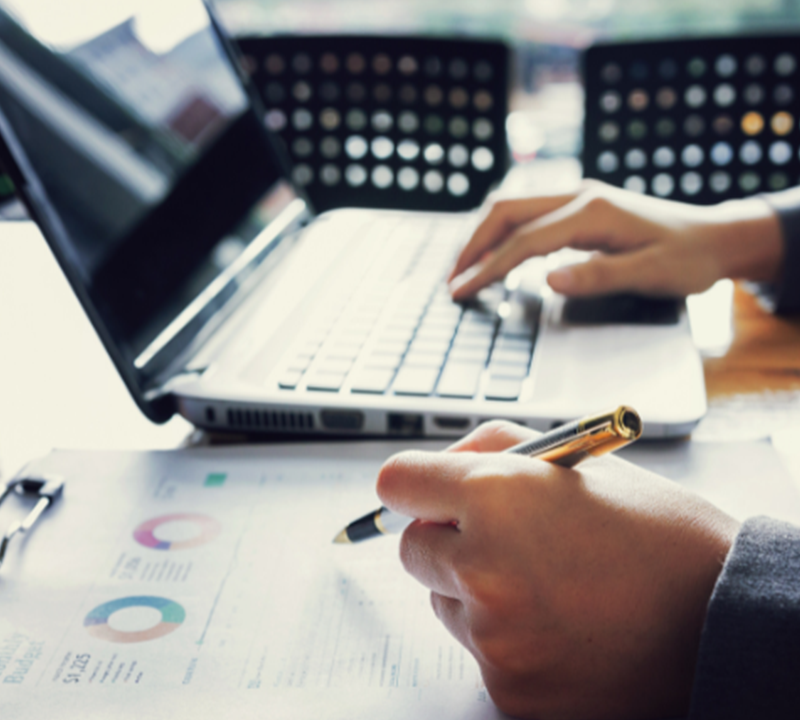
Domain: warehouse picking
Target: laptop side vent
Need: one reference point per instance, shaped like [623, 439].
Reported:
[269, 420]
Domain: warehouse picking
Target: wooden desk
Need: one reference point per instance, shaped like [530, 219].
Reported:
[754, 387]
[764, 356]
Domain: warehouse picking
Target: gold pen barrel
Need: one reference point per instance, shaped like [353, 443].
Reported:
[566, 445]
[597, 435]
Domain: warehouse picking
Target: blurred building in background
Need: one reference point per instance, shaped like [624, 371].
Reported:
[546, 35]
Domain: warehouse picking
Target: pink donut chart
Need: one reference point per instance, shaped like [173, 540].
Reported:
[172, 616]
[208, 529]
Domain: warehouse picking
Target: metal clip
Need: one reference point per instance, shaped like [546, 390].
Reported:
[46, 488]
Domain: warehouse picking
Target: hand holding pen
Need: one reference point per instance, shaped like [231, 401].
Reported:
[580, 592]
[566, 445]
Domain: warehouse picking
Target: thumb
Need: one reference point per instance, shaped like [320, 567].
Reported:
[425, 485]
[430, 485]
[604, 274]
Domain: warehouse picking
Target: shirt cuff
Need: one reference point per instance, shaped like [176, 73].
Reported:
[748, 665]
[786, 293]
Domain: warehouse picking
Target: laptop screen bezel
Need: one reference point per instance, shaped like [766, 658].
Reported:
[141, 381]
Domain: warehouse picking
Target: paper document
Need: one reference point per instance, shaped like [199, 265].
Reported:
[744, 479]
[212, 574]
[204, 584]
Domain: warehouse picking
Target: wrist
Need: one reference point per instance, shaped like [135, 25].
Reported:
[747, 241]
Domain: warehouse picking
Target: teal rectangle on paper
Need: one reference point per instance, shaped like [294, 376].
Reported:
[215, 479]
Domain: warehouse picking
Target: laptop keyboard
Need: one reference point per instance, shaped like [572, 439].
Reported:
[397, 331]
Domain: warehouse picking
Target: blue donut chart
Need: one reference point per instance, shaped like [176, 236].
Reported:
[172, 616]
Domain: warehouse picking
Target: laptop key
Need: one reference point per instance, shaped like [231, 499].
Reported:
[520, 331]
[327, 382]
[289, 380]
[390, 346]
[384, 361]
[349, 334]
[430, 346]
[342, 348]
[508, 372]
[316, 338]
[402, 324]
[338, 355]
[460, 380]
[415, 381]
[513, 343]
[478, 317]
[309, 348]
[439, 316]
[522, 319]
[472, 342]
[424, 359]
[404, 317]
[500, 388]
[490, 298]
[299, 364]
[395, 334]
[372, 381]
[334, 366]
[474, 355]
[434, 334]
[475, 326]
[511, 357]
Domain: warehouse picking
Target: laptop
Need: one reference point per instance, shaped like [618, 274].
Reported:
[139, 149]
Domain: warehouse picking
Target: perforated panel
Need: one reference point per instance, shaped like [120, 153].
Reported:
[694, 120]
[390, 122]
[256, 420]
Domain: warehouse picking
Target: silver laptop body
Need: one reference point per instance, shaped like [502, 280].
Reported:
[219, 296]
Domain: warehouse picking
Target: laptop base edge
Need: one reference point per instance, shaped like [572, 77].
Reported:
[269, 420]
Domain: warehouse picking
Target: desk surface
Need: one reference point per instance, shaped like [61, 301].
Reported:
[754, 386]
[764, 356]
[59, 389]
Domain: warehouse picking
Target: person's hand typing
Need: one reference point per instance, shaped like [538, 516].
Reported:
[581, 593]
[645, 244]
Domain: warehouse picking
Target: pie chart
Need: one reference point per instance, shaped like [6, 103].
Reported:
[97, 621]
[203, 529]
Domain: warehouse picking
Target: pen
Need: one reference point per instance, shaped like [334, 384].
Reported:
[566, 445]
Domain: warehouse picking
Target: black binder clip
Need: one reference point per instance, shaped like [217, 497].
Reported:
[46, 488]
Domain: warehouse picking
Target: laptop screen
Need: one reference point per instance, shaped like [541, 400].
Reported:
[141, 154]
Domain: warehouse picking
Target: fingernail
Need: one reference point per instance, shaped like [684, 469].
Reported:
[454, 285]
[561, 280]
[465, 280]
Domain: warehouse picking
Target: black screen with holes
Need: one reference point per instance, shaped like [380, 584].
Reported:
[393, 122]
[699, 121]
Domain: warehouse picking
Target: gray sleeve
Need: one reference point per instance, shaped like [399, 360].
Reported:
[749, 661]
[786, 294]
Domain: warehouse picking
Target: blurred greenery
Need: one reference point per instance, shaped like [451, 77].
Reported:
[568, 22]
